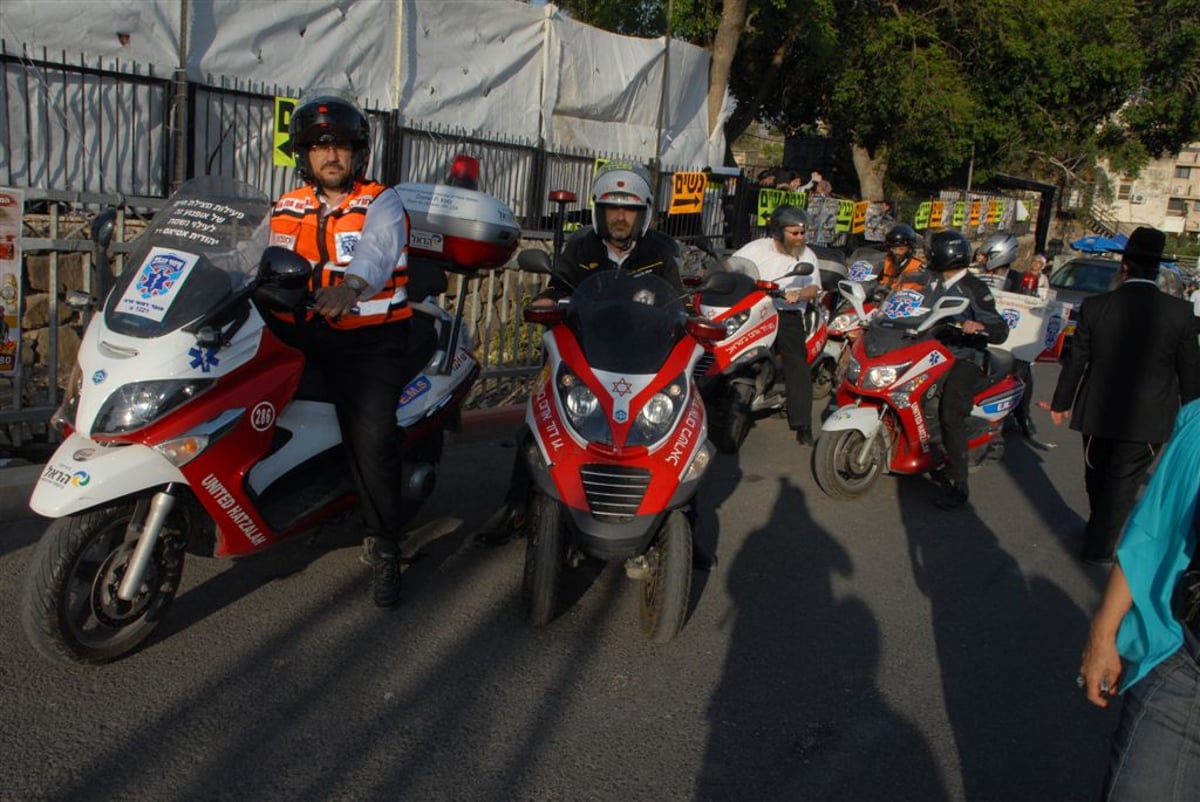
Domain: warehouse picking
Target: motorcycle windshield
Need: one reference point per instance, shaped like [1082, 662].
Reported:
[202, 247]
[905, 308]
[626, 323]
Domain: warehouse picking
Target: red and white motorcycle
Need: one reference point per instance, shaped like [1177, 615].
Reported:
[184, 430]
[617, 443]
[741, 376]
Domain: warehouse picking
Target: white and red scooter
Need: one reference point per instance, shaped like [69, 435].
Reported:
[184, 429]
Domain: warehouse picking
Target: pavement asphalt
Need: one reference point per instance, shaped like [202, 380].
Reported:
[18, 476]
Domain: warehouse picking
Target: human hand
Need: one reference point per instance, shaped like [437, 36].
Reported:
[972, 327]
[334, 301]
[1057, 416]
[1100, 666]
[815, 176]
[791, 296]
[543, 303]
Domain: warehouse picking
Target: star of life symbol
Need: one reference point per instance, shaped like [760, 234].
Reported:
[903, 304]
[622, 387]
[862, 270]
[205, 359]
[1011, 316]
[159, 275]
[935, 358]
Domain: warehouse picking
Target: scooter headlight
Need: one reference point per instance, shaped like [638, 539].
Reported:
[735, 322]
[584, 413]
[658, 416]
[882, 376]
[843, 323]
[133, 406]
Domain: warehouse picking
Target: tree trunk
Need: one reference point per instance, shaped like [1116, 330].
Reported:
[747, 111]
[871, 171]
[733, 20]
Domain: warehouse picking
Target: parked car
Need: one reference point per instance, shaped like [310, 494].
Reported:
[1082, 276]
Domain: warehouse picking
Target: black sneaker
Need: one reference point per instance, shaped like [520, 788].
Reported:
[804, 436]
[385, 573]
[1027, 427]
[955, 496]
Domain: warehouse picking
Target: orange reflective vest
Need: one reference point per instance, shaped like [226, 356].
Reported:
[892, 271]
[328, 242]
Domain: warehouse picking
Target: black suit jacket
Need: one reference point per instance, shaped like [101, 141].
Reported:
[1134, 358]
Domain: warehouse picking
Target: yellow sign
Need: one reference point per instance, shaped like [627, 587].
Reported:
[976, 213]
[995, 210]
[936, 209]
[859, 224]
[845, 215]
[282, 151]
[687, 193]
[921, 218]
[771, 199]
[960, 213]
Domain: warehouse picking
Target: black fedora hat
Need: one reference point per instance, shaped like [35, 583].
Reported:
[1145, 245]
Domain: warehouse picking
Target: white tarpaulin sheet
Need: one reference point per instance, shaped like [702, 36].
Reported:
[486, 67]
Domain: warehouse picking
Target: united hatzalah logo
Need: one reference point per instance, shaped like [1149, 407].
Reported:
[159, 275]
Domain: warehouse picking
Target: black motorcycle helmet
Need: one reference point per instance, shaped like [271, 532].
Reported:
[783, 217]
[949, 250]
[901, 234]
[327, 115]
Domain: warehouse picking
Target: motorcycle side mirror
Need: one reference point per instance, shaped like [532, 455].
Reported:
[943, 308]
[103, 228]
[284, 268]
[802, 269]
[534, 260]
[853, 292]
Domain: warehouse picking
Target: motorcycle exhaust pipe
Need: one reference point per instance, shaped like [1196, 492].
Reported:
[147, 534]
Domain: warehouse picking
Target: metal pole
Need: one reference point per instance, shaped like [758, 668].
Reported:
[181, 138]
[662, 102]
[971, 169]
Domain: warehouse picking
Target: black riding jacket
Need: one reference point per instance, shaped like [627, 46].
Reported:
[982, 310]
[585, 252]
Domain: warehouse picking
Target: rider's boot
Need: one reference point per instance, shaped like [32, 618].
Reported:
[385, 571]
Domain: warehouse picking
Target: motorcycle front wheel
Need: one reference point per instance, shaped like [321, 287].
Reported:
[838, 468]
[733, 420]
[667, 590]
[70, 609]
[545, 552]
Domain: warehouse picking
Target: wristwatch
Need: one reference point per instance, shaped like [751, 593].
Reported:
[355, 283]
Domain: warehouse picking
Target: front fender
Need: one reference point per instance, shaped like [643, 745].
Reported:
[864, 419]
[83, 474]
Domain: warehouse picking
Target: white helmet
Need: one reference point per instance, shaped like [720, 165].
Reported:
[622, 184]
[1000, 249]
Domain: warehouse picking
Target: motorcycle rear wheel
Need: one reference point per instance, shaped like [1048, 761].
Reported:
[70, 610]
[836, 469]
[545, 552]
[666, 592]
[733, 420]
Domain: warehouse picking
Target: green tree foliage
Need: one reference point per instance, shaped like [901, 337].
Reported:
[918, 88]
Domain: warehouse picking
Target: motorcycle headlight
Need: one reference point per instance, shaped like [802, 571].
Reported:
[843, 323]
[735, 322]
[583, 408]
[132, 406]
[853, 371]
[63, 419]
[882, 376]
[658, 416]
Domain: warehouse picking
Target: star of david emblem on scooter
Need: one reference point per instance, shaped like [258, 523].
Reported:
[622, 387]
[204, 359]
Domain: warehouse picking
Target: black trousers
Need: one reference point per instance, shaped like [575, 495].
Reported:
[797, 376]
[1113, 472]
[364, 371]
[963, 381]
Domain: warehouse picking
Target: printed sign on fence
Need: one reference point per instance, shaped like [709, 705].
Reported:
[12, 206]
[282, 153]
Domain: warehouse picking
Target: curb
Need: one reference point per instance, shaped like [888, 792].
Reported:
[16, 482]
